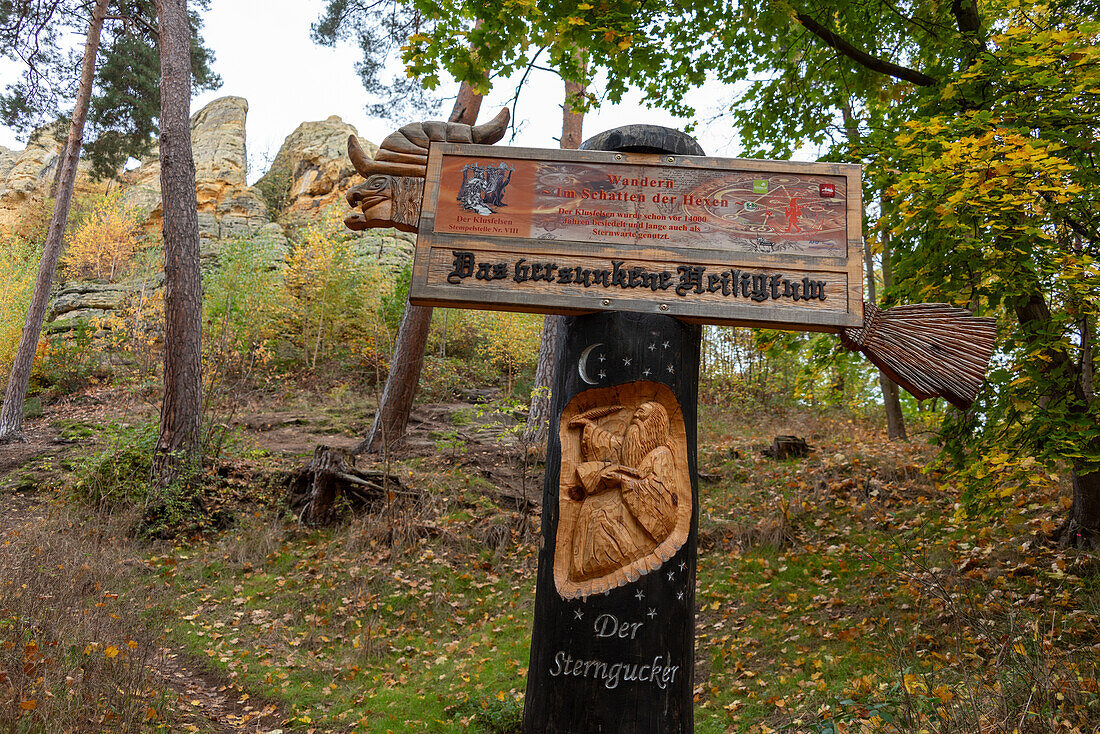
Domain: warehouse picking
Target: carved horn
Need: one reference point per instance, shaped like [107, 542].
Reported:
[491, 131]
[359, 157]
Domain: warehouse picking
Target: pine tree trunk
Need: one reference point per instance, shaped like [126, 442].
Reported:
[538, 413]
[178, 445]
[15, 396]
[387, 432]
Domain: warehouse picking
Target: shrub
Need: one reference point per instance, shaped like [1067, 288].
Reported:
[104, 241]
[18, 269]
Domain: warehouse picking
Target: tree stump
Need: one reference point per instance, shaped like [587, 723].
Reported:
[786, 447]
[331, 475]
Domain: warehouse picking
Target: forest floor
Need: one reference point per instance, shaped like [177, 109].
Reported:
[841, 592]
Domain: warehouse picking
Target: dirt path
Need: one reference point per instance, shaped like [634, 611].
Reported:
[207, 704]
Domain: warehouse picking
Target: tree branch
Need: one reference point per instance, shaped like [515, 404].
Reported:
[862, 57]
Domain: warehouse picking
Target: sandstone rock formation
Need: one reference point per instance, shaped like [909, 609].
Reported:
[310, 173]
[27, 176]
[312, 169]
[228, 207]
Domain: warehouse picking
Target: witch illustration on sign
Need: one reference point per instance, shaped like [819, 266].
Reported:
[482, 189]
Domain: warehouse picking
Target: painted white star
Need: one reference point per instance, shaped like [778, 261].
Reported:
[602, 374]
[652, 613]
[670, 575]
[602, 358]
[682, 565]
[671, 369]
[626, 361]
[679, 595]
[646, 371]
[578, 614]
[652, 347]
[665, 345]
[640, 595]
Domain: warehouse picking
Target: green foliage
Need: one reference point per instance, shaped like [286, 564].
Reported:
[244, 303]
[118, 475]
[380, 36]
[18, 269]
[501, 714]
[393, 303]
[125, 102]
[66, 360]
[274, 187]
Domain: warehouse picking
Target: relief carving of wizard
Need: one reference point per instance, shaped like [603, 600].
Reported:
[626, 497]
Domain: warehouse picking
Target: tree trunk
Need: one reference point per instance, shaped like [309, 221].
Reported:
[179, 443]
[15, 396]
[1081, 528]
[891, 399]
[387, 432]
[538, 414]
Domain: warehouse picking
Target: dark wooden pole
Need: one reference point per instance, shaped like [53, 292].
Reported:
[614, 633]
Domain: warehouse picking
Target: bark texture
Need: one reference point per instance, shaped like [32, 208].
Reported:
[179, 441]
[387, 431]
[891, 399]
[15, 395]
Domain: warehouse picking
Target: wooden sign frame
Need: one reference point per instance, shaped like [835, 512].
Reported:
[568, 231]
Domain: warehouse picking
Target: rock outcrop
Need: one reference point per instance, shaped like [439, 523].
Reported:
[312, 169]
[310, 173]
[228, 207]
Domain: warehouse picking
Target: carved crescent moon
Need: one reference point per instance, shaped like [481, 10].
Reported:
[582, 365]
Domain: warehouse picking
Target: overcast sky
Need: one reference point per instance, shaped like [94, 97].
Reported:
[263, 53]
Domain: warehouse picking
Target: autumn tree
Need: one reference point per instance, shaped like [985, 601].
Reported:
[977, 120]
[11, 414]
[114, 96]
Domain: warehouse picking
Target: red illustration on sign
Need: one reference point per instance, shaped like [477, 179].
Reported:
[827, 190]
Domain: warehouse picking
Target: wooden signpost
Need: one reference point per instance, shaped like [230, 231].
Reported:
[631, 231]
[705, 239]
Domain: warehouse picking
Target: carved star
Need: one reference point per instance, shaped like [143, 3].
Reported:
[680, 595]
[670, 575]
[652, 613]
[671, 369]
[602, 374]
[646, 371]
[578, 614]
[682, 565]
[640, 595]
[602, 358]
[652, 347]
[665, 345]
[626, 361]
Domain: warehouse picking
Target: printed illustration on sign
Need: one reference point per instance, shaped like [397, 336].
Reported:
[482, 189]
[625, 497]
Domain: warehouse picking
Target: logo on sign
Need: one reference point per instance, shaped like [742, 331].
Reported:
[828, 190]
[759, 186]
[751, 206]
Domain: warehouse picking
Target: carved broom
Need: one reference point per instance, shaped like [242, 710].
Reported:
[930, 349]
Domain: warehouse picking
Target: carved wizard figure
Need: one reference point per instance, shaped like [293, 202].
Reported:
[628, 489]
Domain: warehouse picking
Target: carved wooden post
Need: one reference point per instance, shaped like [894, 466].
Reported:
[638, 221]
[613, 642]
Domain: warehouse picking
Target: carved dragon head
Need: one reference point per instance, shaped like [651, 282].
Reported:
[390, 195]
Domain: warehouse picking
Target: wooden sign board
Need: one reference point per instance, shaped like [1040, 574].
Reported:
[710, 240]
